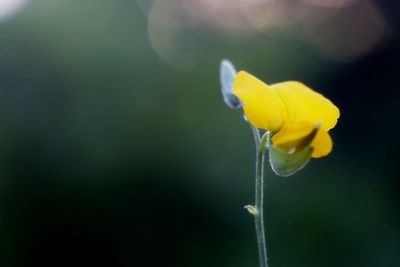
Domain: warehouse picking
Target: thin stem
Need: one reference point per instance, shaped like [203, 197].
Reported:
[261, 146]
[259, 198]
[255, 132]
[256, 135]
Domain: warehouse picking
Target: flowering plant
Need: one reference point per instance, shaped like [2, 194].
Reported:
[288, 119]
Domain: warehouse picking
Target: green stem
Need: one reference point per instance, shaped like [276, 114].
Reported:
[261, 146]
[259, 198]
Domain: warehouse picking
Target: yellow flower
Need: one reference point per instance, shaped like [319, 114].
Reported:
[295, 115]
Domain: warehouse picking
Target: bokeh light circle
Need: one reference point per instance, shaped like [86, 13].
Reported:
[8, 8]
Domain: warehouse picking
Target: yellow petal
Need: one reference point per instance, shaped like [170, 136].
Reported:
[295, 136]
[292, 135]
[262, 106]
[322, 144]
[303, 104]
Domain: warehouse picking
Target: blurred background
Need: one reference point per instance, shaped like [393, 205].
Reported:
[116, 148]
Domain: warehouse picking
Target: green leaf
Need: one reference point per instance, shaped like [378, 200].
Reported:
[286, 164]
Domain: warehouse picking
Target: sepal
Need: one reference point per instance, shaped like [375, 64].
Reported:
[285, 163]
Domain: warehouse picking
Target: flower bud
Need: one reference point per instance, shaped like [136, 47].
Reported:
[251, 209]
[227, 74]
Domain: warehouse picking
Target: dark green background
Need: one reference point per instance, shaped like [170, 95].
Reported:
[109, 156]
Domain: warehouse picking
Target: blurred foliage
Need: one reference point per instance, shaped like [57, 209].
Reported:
[109, 156]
